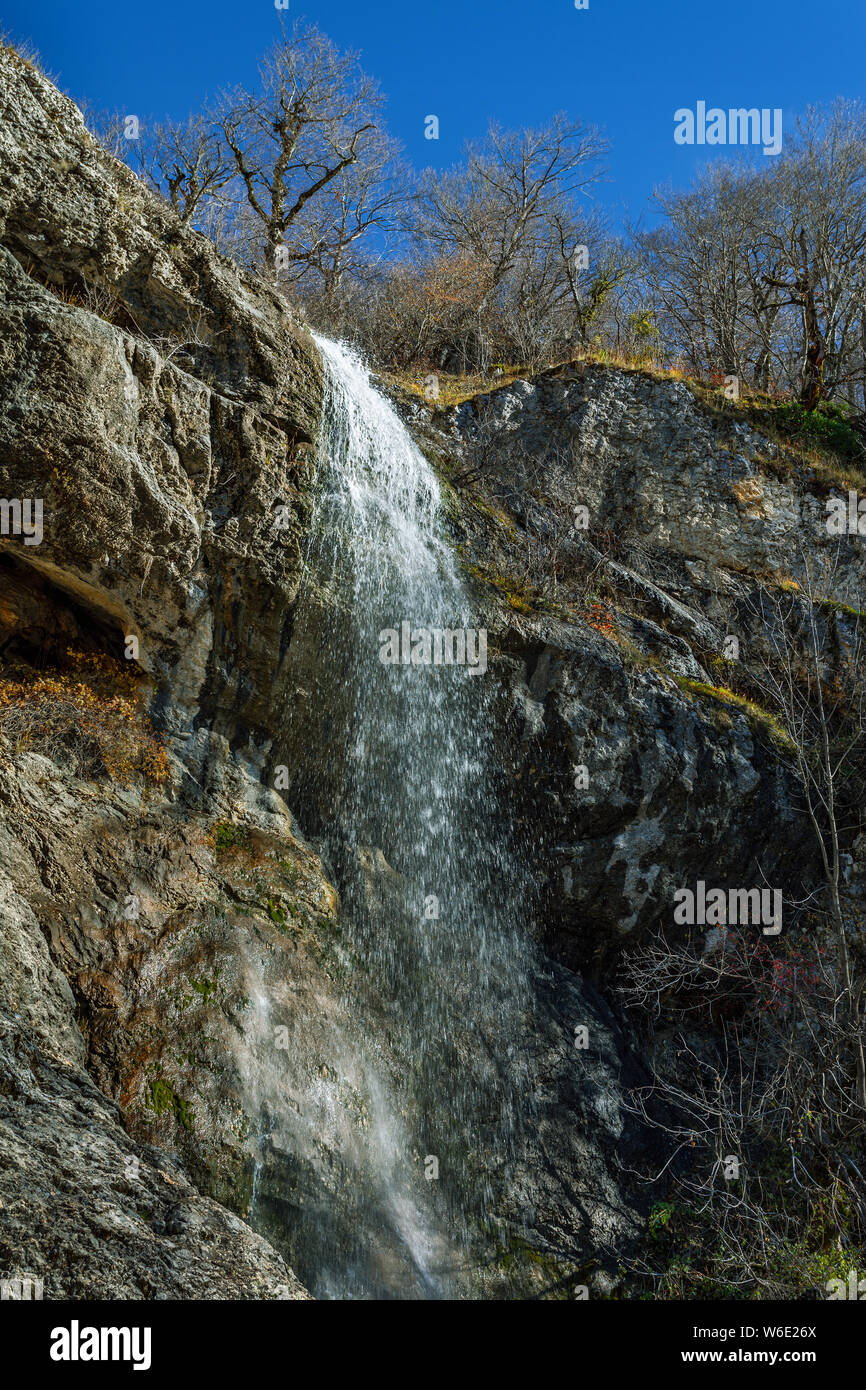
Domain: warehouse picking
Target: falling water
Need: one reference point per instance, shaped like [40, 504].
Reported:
[397, 776]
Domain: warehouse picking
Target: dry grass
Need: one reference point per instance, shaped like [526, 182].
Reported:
[760, 719]
[92, 712]
[763, 411]
[452, 390]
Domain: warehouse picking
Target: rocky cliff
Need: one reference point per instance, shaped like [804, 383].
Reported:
[162, 406]
[172, 954]
[690, 508]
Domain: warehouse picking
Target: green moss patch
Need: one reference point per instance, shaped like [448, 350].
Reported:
[163, 1099]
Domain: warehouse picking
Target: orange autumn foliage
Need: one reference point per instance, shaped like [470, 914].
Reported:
[92, 711]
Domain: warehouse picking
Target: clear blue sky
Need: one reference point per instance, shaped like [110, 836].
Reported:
[624, 64]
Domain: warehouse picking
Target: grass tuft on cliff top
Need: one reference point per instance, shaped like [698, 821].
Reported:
[760, 719]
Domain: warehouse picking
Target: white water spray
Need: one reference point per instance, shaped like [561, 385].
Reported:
[396, 773]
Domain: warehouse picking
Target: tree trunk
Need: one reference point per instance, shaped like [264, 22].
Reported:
[813, 364]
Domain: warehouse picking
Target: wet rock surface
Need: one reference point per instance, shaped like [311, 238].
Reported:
[88, 1206]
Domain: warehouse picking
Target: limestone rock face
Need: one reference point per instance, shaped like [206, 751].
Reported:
[88, 1210]
[634, 788]
[652, 463]
[634, 773]
[161, 407]
[170, 447]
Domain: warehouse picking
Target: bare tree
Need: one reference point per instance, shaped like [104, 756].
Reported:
[495, 208]
[695, 264]
[185, 163]
[310, 119]
[112, 130]
[818, 686]
[180, 160]
[325, 242]
[747, 1048]
[758, 270]
[817, 229]
[587, 280]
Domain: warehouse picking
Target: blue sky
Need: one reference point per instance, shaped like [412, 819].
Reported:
[625, 65]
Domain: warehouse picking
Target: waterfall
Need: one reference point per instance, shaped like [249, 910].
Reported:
[395, 773]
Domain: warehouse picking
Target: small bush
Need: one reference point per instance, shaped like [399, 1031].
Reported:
[90, 712]
[826, 426]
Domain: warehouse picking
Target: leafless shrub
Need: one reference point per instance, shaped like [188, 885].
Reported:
[769, 1091]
